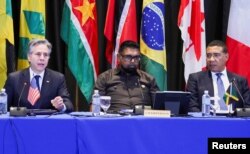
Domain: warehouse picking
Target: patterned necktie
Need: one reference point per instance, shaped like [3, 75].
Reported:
[221, 92]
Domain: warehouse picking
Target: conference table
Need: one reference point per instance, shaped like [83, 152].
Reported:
[67, 134]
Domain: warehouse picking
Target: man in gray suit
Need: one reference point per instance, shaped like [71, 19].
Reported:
[216, 74]
[38, 87]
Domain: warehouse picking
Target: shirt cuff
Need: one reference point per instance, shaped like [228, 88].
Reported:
[64, 108]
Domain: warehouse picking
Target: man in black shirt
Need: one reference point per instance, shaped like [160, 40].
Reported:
[127, 85]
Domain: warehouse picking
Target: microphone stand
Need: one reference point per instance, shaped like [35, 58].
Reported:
[19, 111]
[139, 109]
[241, 112]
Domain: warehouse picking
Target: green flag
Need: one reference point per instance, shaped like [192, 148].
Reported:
[79, 31]
[32, 25]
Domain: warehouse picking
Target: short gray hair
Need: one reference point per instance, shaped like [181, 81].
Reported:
[36, 41]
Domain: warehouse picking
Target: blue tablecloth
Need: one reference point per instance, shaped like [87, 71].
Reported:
[64, 134]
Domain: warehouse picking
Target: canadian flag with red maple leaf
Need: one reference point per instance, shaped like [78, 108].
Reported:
[191, 22]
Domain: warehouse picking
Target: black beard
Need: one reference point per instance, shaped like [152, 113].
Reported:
[130, 70]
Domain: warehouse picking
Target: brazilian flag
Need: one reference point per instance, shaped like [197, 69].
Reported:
[32, 25]
[152, 41]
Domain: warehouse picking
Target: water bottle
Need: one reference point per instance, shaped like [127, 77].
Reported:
[3, 102]
[205, 104]
[96, 107]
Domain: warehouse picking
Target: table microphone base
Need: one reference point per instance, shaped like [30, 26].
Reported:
[18, 111]
[242, 112]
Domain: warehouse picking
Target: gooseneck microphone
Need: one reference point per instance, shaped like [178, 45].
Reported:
[19, 111]
[139, 109]
[241, 112]
[238, 91]
[20, 96]
[142, 95]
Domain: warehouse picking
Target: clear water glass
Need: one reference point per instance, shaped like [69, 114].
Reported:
[105, 102]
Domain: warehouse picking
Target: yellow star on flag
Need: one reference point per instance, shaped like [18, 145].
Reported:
[87, 10]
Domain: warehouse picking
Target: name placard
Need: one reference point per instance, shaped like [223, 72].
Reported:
[157, 113]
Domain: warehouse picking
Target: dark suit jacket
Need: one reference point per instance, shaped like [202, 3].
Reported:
[200, 81]
[53, 85]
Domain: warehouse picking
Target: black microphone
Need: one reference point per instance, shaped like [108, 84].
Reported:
[241, 112]
[19, 111]
[142, 95]
[238, 91]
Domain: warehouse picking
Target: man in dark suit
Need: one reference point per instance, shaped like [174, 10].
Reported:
[216, 57]
[38, 87]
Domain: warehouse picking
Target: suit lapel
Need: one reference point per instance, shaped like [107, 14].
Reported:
[230, 76]
[25, 79]
[210, 83]
[46, 83]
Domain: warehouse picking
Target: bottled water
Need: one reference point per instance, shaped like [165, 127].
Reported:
[205, 104]
[3, 102]
[96, 103]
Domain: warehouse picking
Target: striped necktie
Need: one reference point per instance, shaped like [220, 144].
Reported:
[34, 93]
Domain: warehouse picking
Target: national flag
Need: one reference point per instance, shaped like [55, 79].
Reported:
[79, 31]
[6, 41]
[152, 41]
[191, 22]
[230, 95]
[120, 18]
[34, 93]
[32, 25]
[238, 40]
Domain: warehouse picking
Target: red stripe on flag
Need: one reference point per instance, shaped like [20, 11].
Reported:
[34, 95]
[127, 29]
[183, 5]
[239, 55]
[109, 30]
[86, 10]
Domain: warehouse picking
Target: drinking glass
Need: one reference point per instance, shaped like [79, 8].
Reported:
[105, 103]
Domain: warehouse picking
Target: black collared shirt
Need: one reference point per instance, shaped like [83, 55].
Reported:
[126, 90]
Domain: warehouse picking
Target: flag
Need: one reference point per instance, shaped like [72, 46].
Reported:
[79, 31]
[34, 93]
[230, 95]
[152, 41]
[6, 39]
[123, 22]
[191, 22]
[32, 25]
[238, 40]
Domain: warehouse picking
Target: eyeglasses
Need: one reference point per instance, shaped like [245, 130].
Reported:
[130, 57]
[39, 54]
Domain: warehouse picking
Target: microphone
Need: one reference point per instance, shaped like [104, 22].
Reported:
[139, 109]
[19, 111]
[142, 95]
[238, 91]
[241, 112]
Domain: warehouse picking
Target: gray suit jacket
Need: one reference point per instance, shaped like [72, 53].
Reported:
[53, 85]
[200, 81]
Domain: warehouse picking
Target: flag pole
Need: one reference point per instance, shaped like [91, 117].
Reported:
[76, 97]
